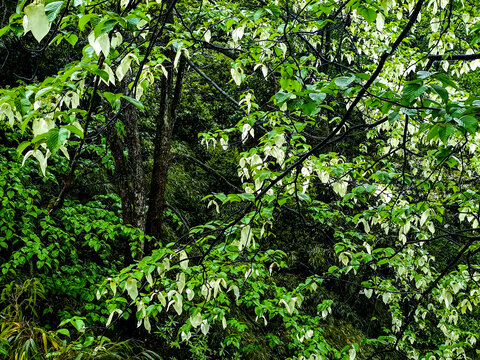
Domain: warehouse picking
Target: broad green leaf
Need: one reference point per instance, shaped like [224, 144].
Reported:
[433, 133]
[52, 9]
[317, 97]
[74, 129]
[310, 108]
[273, 10]
[470, 123]
[135, 102]
[56, 138]
[104, 27]
[247, 196]
[281, 97]
[82, 22]
[79, 324]
[63, 332]
[22, 147]
[71, 38]
[343, 81]
[4, 30]
[445, 131]
[441, 92]
[368, 13]
[412, 91]
[446, 80]
[102, 73]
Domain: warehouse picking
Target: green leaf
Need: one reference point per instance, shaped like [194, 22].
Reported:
[393, 116]
[445, 80]
[445, 131]
[368, 13]
[281, 97]
[104, 26]
[103, 74]
[343, 81]
[22, 147]
[433, 133]
[304, 197]
[74, 130]
[40, 138]
[52, 10]
[317, 97]
[441, 92]
[4, 30]
[63, 332]
[113, 99]
[258, 15]
[470, 123]
[412, 91]
[56, 139]
[310, 108]
[84, 20]
[71, 38]
[247, 196]
[273, 10]
[135, 102]
[78, 324]
[294, 104]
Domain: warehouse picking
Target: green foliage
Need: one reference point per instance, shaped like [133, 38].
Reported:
[346, 222]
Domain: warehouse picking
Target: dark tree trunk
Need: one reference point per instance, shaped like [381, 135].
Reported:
[129, 173]
[129, 170]
[121, 176]
[170, 97]
[135, 161]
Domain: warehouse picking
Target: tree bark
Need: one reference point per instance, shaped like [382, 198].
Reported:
[170, 97]
[135, 162]
[121, 173]
[129, 172]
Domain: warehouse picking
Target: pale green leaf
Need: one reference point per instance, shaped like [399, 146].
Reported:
[207, 36]
[178, 304]
[343, 81]
[183, 259]
[131, 287]
[37, 21]
[123, 67]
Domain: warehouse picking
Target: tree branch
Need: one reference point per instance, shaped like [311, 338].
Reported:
[213, 83]
[210, 170]
[454, 57]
